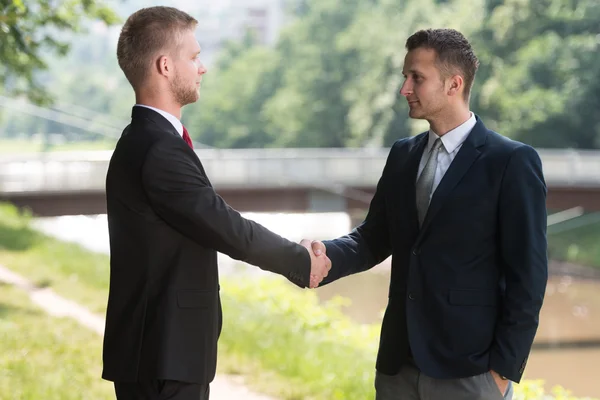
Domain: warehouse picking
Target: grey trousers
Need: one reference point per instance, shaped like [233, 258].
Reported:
[411, 384]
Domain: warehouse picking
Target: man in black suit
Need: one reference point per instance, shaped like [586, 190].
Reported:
[462, 211]
[166, 225]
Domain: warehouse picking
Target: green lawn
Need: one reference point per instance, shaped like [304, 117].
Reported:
[43, 357]
[69, 269]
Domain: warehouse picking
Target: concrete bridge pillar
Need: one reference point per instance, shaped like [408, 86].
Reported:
[321, 201]
[357, 216]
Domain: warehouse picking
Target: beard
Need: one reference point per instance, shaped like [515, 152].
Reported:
[434, 106]
[184, 94]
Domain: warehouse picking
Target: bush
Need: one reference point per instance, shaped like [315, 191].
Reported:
[318, 350]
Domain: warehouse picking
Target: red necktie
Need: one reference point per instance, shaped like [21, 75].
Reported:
[187, 138]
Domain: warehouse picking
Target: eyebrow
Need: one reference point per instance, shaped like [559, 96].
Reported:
[412, 72]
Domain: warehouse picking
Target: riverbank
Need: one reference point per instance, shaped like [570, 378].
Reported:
[279, 337]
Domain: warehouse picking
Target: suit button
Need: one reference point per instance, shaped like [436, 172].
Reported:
[411, 296]
[416, 251]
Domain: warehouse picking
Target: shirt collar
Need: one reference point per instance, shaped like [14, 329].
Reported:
[170, 117]
[453, 138]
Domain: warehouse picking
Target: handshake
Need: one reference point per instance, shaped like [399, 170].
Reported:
[320, 264]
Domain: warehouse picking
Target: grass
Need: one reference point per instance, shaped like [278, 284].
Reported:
[69, 269]
[43, 357]
[278, 336]
[305, 347]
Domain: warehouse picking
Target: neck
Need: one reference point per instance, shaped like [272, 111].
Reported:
[445, 122]
[160, 100]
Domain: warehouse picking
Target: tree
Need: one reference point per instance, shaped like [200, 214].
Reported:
[290, 96]
[229, 112]
[31, 30]
[543, 85]
[333, 79]
[309, 109]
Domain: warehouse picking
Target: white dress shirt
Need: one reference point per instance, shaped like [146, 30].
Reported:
[451, 143]
[170, 117]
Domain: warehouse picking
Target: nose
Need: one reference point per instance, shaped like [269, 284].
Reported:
[406, 89]
[202, 69]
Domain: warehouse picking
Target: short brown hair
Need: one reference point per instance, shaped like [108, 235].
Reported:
[454, 52]
[147, 32]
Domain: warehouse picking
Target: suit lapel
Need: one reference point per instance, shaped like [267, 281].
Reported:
[147, 115]
[409, 170]
[466, 156]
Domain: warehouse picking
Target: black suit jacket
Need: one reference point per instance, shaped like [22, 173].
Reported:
[466, 289]
[166, 224]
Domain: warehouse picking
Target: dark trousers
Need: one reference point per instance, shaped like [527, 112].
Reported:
[158, 389]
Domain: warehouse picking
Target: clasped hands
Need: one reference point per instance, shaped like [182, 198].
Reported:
[320, 264]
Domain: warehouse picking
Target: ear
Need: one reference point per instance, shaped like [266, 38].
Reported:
[455, 85]
[164, 66]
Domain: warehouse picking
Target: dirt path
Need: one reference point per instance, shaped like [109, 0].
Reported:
[222, 388]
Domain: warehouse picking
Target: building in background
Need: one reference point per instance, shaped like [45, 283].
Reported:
[227, 20]
[219, 21]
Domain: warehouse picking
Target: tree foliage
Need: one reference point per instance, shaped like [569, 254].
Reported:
[334, 77]
[30, 31]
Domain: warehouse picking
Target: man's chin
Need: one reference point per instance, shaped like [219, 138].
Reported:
[191, 99]
[415, 114]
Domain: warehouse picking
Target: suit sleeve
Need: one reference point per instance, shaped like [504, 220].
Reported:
[368, 244]
[181, 195]
[522, 220]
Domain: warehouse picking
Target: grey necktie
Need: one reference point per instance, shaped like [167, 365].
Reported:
[425, 182]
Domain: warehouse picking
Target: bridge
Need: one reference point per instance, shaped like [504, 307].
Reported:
[285, 180]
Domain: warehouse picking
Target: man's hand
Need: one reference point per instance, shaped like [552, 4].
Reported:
[501, 383]
[318, 247]
[319, 262]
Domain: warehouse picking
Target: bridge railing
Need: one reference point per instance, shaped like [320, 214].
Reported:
[571, 167]
[260, 168]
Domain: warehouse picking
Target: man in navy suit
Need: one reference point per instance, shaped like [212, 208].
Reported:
[462, 211]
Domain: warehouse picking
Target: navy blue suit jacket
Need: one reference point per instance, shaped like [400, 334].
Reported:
[466, 289]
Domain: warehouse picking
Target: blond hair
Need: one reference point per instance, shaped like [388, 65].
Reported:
[146, 34]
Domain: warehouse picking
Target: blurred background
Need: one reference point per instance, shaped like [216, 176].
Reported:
[297, 113]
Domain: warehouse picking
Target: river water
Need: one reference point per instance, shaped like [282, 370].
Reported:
[567, 346]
